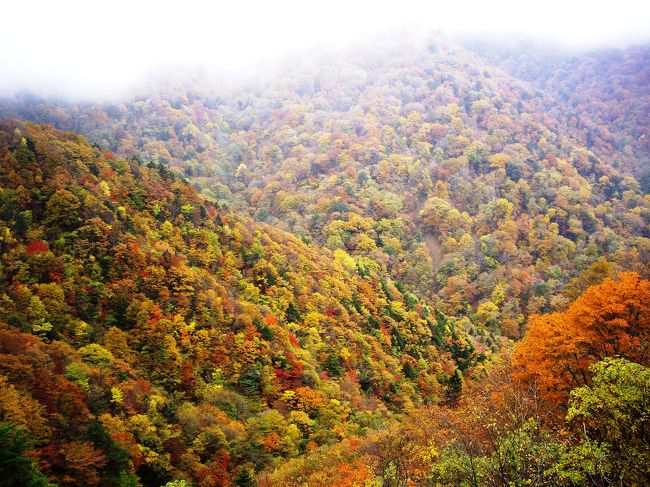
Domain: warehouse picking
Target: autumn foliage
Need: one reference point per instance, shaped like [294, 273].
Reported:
[147, 333]
[320, 278]
[609, 320]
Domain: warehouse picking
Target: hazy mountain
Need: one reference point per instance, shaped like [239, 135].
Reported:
[413, 262]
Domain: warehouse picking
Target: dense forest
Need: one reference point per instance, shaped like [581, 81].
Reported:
[469, 186]
[414, 263]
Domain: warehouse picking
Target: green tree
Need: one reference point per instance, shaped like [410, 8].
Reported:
[245, 478]
[62, 208]
[16, 468]
[454, 387]
[614, 413]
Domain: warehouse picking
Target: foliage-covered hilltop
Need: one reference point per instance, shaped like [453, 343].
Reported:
[146, 333]
[470, 186]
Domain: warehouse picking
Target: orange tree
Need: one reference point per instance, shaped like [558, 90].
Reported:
[608, 320]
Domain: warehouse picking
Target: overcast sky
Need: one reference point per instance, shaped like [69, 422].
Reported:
[98, 48]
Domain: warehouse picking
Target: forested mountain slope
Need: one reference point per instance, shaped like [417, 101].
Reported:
[314, 277]
[567, 408]
[466, 184]
[605, 93]
[146, 333]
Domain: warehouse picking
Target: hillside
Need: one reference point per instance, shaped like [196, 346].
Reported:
[605, 95]
[567, 408]
[147, 334]
[412, 262]
[469, 186]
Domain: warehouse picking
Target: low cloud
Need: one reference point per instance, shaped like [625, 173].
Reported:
[101, 49]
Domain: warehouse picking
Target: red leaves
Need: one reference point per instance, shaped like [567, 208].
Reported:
[176, 449]
[353, 376]
[37, 246]
[217, 473]
[55, 276]
[187, 377]
[290, 377]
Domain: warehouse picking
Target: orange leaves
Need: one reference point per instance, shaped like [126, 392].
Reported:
[344, 474]
[271, 443]
[20, 408]
[270, 320]
[611, 319]
[309, 400]
[614, 318]
[344, 464]
[548, 355]
[81, 461]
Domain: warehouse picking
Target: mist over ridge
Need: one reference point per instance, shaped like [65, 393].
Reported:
[87, 51]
